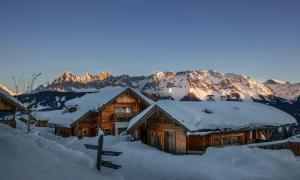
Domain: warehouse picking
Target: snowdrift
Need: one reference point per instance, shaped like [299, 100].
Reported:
[236, 162]
[32, 157]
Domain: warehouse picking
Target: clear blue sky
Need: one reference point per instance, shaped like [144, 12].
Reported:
[260, 38]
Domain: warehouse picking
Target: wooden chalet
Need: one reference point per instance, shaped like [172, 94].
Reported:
[8, 108]
[186, 127]
[108, 110]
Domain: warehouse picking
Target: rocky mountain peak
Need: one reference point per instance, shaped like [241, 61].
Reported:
[104, 75]
[65, 77]
[68, 77]
[184, 85]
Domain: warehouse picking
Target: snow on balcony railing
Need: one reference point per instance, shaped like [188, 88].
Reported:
[6, 116]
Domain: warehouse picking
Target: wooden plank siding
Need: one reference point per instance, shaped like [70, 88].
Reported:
[294, 147]
[41, 123]
[6, 107]
[178, 133]
[201, 142]
[162, 132]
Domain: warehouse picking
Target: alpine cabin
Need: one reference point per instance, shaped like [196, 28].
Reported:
[8, 108]
[109, 110]
[183, 127]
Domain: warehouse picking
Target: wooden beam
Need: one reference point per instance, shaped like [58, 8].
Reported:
[270, 132]
[99, 152]
[264, 133]
[187, 144]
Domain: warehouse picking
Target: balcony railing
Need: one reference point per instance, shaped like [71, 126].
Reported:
[123, 116]
[7, 116]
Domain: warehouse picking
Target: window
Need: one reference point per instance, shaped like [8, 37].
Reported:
[85, 132]
[123, 110]
[216, 141]
[235, 140]
[226, 140]
[72, 108]
[6, 116]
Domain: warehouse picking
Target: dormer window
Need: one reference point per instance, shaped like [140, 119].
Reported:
[72, 108]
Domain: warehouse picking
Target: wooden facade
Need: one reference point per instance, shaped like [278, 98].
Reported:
[113, 118]
[294, 147]
[164, 133]
[41, 123]
[221, 139]
[7, 111]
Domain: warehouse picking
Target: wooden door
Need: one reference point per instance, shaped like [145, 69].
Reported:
[144, 135]
[169, 141]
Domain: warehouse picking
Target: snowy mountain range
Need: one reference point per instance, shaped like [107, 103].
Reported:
[186, 85]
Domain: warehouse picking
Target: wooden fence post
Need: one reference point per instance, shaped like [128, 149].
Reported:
[99, 152]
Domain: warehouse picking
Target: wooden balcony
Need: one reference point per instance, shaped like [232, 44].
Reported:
[123, 116]
[7, 116]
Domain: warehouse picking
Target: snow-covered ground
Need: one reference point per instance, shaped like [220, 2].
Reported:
[42, 155]
[32, 157]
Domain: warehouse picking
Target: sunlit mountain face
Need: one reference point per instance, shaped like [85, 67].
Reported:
[186, 85]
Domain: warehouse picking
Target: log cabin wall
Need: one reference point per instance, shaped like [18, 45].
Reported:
[162, 132]
[201, 142]
[41, 123]
[5, 106]
[63, 131]
[11, 123]
[176, 141]
[87, 127]
[7, 109]
[294, 147]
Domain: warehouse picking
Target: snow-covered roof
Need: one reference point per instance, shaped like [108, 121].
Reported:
[197, 116]
[89, 103]
[137, 118]
[11, 99]
[295, 139]
[46, 115]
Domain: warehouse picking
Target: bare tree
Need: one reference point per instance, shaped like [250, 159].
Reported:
[26, 85]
